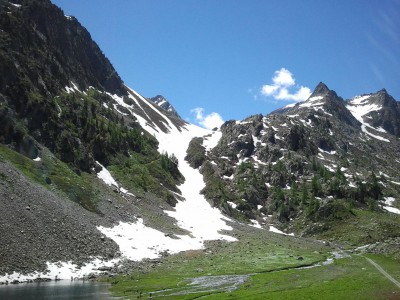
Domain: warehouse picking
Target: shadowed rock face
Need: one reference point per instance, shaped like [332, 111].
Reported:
[43, 50]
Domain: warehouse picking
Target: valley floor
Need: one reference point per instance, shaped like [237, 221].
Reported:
[262, 265]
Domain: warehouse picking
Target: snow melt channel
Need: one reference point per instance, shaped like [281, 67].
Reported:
[138, 241]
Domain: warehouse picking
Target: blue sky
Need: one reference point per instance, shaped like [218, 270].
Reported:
[229, 59]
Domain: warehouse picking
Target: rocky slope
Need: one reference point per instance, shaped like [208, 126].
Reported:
[66, 116]
[164, 103]
[311, 161]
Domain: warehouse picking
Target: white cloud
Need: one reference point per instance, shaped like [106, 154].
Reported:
[284, 87]
[269, 90]
[283, 77]
[209, 121]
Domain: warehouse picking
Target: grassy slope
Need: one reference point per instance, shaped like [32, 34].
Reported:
[266, 257]
[365, 227]
[348, 278]
[54, 174]
[256, 251]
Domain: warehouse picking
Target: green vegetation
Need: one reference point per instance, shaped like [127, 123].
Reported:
[363, 227]
[196, 154]
[256, 251]
[81, 129]
[270, 262]
[144, 173]
[56, 175]
[347, 278]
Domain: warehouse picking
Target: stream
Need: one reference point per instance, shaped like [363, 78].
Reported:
[229, 283]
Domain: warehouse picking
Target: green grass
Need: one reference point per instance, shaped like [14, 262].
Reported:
[53, 174]
[347, 278]
[256, 251]
[365, 227]
[271, 261]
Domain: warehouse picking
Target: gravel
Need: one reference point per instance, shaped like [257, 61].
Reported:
[37, 225]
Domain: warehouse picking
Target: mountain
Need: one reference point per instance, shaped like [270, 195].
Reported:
[162, 102]
[65, 117]
[307, 161]
[378, 111]
[94, 176]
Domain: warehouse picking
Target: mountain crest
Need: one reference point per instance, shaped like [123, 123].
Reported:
[165, 104]
[321, 89]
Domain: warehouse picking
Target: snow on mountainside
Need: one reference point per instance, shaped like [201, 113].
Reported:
[92, 173]
[323, 147]
[377, 111]
[360, 108]
[96, 145]
[193, 213]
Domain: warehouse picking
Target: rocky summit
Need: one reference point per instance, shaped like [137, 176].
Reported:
[94, 176]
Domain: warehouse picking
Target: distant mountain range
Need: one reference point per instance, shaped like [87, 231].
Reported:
[80, 152]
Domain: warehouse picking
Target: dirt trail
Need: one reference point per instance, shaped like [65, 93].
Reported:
[380, 269]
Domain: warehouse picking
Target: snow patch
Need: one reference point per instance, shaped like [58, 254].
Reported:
[193, 214]
[276, 230]
[234, 205]
[61, 271]
[311, 103]
[72, 89]
[392, 209]
[210, 142]
[323, 110]
[360, 108]
[363, 128]
[357, 100]
[389, 201]
[327, 152]
[389, 205]
[315, 98]
[138, 241]
[106, 176]
[254, 223]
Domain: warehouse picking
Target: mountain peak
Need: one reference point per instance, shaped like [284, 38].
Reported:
[163, 103]
[321, 89]
[383, 91]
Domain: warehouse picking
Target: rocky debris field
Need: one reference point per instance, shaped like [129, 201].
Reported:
[39, 226]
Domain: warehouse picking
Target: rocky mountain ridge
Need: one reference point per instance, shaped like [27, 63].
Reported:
[316, 152]
[162, 102]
